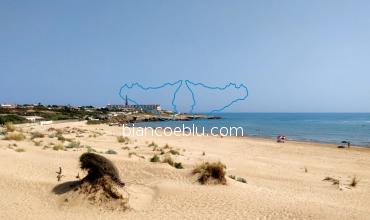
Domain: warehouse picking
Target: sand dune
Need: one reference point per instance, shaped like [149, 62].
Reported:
[278, 186]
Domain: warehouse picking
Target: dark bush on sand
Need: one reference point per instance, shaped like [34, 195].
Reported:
[98, 167]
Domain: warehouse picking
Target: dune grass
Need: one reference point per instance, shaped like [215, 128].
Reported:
[122, 139]
[58, 147]
[36, 134]
[15, 136]
[210, 172]
[354, 181]
[9, 127]
[110, 151]
[19, 150]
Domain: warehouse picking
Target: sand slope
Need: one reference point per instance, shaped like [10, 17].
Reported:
[278, 186]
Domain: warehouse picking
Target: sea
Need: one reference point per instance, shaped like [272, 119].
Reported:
[314, 127]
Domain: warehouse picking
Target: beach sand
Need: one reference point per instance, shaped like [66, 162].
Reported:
[284, 181]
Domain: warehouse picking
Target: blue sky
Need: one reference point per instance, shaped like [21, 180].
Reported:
[294, 56]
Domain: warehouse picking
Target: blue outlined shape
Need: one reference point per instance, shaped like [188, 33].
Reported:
[187, 82]
[132, 85]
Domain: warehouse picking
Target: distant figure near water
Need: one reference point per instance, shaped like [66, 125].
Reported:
[343, 143]
[280, 139]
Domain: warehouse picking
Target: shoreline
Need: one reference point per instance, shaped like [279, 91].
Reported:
[274, 139]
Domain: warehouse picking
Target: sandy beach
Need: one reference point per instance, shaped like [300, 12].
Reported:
[284, 181]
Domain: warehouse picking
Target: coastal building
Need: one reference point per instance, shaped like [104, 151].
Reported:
[33, 119]
[8, 106]
[129, 108]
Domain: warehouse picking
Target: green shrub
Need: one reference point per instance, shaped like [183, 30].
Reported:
[110, 151]
[174, 152]
[74, 144]
[232, 177]
[178, 165]
[241, 179]
[155, 159]
[12, 119]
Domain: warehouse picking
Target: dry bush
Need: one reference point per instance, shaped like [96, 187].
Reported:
[90, 149]
[331, 179]
[19, 150]
[354, 181]
[15, 136]
[58, 147]
[153, 144]
[168, 159]
[37, 143]
[211, 172]
[126, 148]
[74, 144]
[36, 134]
[9, 127]
[174, 152]
[166, 146]
[122, 139]
[130, 154]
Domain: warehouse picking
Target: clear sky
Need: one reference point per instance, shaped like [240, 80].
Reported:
[294, 56]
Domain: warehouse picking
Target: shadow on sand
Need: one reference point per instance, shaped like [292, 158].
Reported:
[66, 187]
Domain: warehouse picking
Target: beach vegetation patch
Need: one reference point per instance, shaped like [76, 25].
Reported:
[122, 139]
[332, 180]
[15, 136]
[19, 150]
[100, 187]
[174, 152]
[36, 134]
[74, 144]
[110, 151]
[178, 165]
[58, 146]
[354, 181]
[9, 127]
[155, 159]
[210, 173]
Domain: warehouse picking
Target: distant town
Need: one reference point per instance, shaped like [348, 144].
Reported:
[113, 114]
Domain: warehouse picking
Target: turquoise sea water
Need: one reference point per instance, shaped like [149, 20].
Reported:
[320, 127]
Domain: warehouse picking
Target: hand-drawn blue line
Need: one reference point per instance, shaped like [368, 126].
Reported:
[187, 82]
[150, 87]
[216, 88]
